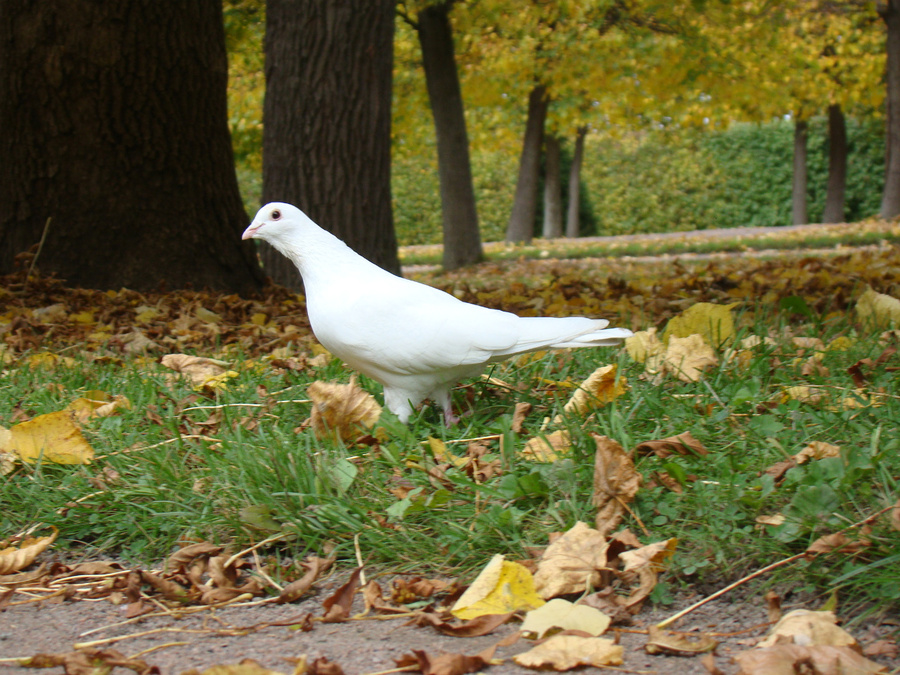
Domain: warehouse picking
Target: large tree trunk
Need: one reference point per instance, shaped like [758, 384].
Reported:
[837, 166]
[573, 222]
[890, 202]
[553, 210]
[462, 240]
[521, 221]
[113, 124]
[799, 207]
[327, 122]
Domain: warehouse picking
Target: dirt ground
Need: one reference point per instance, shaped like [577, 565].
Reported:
[359, 647]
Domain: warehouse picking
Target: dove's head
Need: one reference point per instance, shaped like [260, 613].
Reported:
[277, 222]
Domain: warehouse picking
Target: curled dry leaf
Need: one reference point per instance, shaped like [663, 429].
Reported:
[337, 606]
[14, 559]
[573, 563]
[600, 388]
[683, 444]
[519, 415]
[817, 450]
[661, 641]
[616, 482]
[877, 309]
[89, 661]
[547, 448]
[501, 587]
[198, 369]
[564, 652]
[832, 542]
[341, 411]
[812, 659]
[54, 437]
[803, 626]
[480, 625]
[445, 664]
[315, 566]
[644, 565]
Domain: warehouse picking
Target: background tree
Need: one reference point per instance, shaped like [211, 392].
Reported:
[113, 124]
[462, 240]
[327, 131]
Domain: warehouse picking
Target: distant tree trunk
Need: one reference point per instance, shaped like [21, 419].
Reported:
[327, 114]
[521, 221]
[890, 202]
[113, 123]
[573, 223]
[553, 211]
[837, 166]
[799, 208]
[462, 240]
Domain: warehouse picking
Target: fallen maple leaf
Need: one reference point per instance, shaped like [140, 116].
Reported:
[713, 322]
[341, 411]
[53, 437]
[600, 388]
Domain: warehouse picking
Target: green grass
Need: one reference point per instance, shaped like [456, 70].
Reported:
[180, 466]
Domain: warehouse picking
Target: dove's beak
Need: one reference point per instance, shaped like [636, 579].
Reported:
[251, 230]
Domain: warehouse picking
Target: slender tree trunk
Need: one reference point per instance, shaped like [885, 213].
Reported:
[113, 124]
[462, 240]
[327, 132]
[890, 202]
[553, 210]
[521, 221]
[837, 166]
[573, 223]
[799, 207]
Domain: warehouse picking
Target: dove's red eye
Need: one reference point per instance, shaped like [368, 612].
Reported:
[276, 214]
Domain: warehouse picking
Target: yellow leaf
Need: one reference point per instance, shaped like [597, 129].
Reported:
[85, 317]
[817, 450]
[444, 456]
[49, 360]
[341, 411]
[600, 388]
[97, 404]
[54, 437]
[565, 615]
[259, 319]
[13, 559]
[206, 315]
[547, 449]
[878, 309]
[564, 652]
[643, 344]
[714, 322]
[500, 588]
[198, 369]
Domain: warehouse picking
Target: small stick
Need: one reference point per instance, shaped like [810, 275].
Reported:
[153, 649]
[267, 540]
[38, 252]
[359, 560]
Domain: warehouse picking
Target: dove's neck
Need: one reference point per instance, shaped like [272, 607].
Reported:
[320, 256]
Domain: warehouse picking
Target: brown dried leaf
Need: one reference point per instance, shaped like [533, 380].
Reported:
[480, 625]
[14, 559]
[660, 641]
[817, 450]
[198, 369]
[810, 627]
[315, 566]
[89, 662]
[616, 482]
[341, 411]
[445, 664]
[519, 415]
[338, 605]
[688, 357]
[572, 563]
[683, 444]
[788, 659]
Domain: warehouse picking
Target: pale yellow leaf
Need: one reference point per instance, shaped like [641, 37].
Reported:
[547, 448]
[877, 309]
[54, 437]
[565, 615]
[15, 558]
[341, 411]
[573, 563]
[564, 652]
[687, 357]
[807, 627]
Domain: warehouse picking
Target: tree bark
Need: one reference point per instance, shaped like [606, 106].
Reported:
[462, 240]
[837, 166]
[521, 221]
[890, 202]
[113, 124]
[327, 131]
[573, 222]
[799, 206]
[553, 210]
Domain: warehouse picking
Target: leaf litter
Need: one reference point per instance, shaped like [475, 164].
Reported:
[611, 572]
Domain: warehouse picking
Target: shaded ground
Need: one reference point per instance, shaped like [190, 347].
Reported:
[360, 647]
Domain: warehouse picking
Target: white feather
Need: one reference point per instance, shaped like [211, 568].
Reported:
[414, 339]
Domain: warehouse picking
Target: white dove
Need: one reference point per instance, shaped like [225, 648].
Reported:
[415, 340]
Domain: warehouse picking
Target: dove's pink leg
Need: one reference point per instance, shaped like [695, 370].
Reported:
[447, 405]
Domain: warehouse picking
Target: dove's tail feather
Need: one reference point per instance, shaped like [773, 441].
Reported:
[561, 333]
